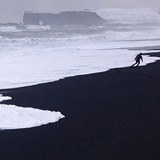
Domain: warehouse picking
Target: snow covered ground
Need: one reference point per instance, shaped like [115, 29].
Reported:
[41, 54]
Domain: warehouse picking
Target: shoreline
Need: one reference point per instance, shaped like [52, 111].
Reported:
[108, 115]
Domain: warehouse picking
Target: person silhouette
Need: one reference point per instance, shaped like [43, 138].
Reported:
[137, 59]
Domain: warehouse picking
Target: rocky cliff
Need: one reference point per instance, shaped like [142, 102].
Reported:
[63, 18]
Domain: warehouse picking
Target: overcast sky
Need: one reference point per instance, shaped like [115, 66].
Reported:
[12, 10]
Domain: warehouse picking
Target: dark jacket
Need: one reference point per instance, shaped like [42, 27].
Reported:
[138, 58]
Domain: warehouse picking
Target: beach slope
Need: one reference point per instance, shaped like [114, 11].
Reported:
[110, 115]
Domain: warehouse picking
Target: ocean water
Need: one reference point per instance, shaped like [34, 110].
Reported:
[40, 54]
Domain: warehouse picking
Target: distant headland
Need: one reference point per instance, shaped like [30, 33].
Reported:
[62, 18]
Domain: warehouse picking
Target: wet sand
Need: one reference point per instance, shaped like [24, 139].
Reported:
[113, 115]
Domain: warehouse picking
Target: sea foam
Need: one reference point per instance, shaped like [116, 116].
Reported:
[48, 53]
[14, 117]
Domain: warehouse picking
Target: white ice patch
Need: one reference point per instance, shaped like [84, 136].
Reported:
[14, 117]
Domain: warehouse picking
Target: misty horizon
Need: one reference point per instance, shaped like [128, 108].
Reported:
[13, 11]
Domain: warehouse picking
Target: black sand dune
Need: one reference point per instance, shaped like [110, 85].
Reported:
[114, 115]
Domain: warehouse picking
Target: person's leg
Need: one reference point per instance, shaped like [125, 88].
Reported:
[138, 63]
[134, 64]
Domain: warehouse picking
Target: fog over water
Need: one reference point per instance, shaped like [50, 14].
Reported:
[12, 11]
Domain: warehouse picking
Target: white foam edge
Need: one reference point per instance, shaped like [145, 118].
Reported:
[15, 117]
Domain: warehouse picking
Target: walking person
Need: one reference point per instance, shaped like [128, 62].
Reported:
[137, 59]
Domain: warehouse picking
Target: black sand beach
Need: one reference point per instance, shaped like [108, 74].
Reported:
[114, 115]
